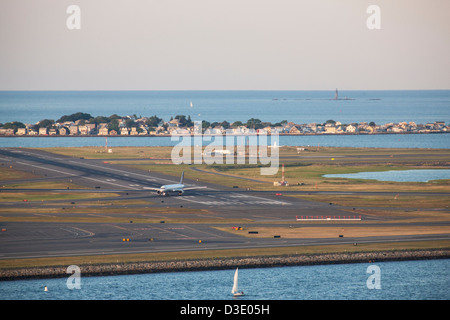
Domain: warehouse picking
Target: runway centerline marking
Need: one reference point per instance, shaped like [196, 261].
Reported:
[73, 175]
[123, 171]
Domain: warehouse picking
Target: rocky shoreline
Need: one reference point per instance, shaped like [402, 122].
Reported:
[224, 263]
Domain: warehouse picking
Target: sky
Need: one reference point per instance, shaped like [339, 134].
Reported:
[224, 45]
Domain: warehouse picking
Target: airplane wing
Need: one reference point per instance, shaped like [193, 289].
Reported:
[150, 188]
[193, 188]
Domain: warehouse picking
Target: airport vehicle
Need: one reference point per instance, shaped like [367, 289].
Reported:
[177, 188]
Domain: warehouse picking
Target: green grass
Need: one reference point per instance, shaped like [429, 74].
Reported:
[201, 253]
[50, 196]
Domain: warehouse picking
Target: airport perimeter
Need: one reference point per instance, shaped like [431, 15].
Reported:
[91, 207]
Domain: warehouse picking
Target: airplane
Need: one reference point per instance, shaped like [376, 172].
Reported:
[179, 188]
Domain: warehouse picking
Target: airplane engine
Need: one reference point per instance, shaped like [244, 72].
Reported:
[180, 192]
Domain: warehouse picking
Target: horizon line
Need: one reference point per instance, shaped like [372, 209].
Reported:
[199, 90]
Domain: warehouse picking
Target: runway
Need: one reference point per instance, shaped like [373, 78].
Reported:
[195, 229]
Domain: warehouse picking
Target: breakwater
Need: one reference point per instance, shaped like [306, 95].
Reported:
[223, 263]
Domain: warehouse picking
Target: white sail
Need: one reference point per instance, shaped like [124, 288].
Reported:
[235, 285]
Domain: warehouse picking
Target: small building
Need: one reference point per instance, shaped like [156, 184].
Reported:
[103, 131]
[330, 129]
[63, 131]
[73, 130]
[294, 130]
[350, 129]
[21, 131]
[6, 132]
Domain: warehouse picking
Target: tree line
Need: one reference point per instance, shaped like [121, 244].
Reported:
[131, 121]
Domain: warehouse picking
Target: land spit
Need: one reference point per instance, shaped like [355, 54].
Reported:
[224, 263]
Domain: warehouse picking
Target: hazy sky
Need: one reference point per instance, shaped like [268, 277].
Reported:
[224, 45]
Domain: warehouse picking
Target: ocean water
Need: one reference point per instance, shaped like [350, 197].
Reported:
[398, 175]
[403, 280]
[433, 141]
[274, 106]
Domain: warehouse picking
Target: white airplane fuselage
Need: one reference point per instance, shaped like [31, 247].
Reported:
[171, 188]
[177, 188]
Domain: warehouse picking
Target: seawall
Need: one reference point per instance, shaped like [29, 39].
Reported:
[223, 263]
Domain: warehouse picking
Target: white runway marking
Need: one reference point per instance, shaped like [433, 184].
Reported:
[73, 175]
[240, 202]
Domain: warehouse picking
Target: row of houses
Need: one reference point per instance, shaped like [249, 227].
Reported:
[338, 128]
[172, 128]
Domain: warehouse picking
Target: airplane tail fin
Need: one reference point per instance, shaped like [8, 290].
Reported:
[182, 177]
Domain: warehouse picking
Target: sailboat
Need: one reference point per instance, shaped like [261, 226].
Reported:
[235, 291]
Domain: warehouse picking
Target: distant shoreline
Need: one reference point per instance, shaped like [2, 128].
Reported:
[215, 135]
[224, 264]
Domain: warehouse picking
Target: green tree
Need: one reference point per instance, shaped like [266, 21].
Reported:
[189, 122]
[114, 117]
[153, 121]
[181, 120]
[46, 123]
[129, 123]
[74, 117]
[13, 125]
[205, 124]
[254, 123]
[237, 124]
[113, 125]
[100, 119]
[225, 124]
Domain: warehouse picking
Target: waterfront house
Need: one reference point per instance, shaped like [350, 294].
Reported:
[180, 131]
[143, 130]
[32, 132]
[52, 132]
[103, 131]
[84, 130]
[330, 128]
[350, 129]
[43, 131]
[134, 131]
[90, 127]
[173, 123]
[21, 131]
[63, 131]
[294, 130]
[73, 130]
[6, 132]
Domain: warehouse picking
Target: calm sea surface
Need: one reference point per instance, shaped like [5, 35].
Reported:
[274, 106]
[416, 280]
[424, 175]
